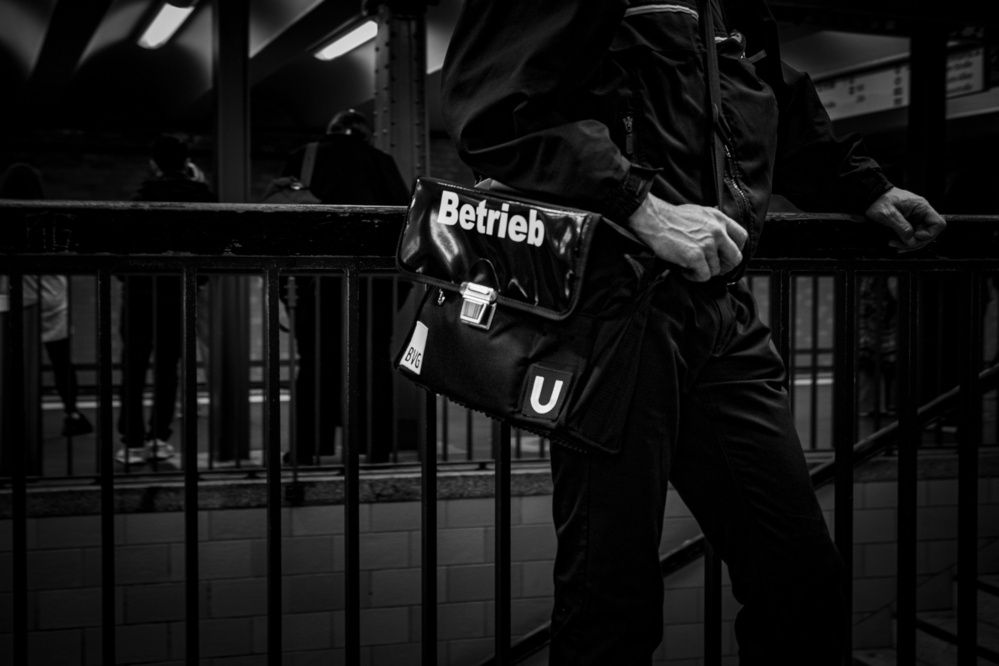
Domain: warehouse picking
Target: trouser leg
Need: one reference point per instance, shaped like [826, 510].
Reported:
[710, 414]
[63, 371]
[136, 348]
[739, 467]
[608, 513]
[167, 356]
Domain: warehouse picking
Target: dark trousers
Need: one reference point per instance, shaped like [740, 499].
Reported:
[150, 330]
[319, 382]
[710, 415]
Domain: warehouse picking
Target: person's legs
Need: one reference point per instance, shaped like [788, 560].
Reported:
[608, 508]
[63, 372]
[739, 467]
[136, 330]
[166, 356]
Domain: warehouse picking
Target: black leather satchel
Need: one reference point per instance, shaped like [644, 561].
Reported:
[533, 314]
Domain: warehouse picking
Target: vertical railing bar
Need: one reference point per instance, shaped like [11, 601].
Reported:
[291, 305]
[105, 446]
[428, 527]
[712, 607]
[272, 458]
[212, 366]
[968, 443]
[17, 457]
[154, 463]
[369, 443]
[36, 449]
[445, 429]
[127, 417]
[844, 420]
[317, 353]
[469, 444]
[189, 445]
[351, 470]
[813, 398]
[70, 380]
[780, 318]
[394, 399]
[501, 439]
[907, 483]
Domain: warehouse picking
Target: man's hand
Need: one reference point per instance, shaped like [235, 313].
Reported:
[702, 240]
[910, 216]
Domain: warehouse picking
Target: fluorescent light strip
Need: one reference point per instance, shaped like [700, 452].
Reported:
[350, 41]
[164, 25]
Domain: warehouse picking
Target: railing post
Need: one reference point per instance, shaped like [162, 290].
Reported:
[272, 458]
[969, 440]
[189, 395]
[105, 445]
[844, 421]
[351, 462]
[230, 313]
[428, 528]
[908, 441]
[501, 446]
[14, 460]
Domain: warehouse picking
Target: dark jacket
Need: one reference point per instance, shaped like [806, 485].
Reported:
[349, 171]
[594, 103]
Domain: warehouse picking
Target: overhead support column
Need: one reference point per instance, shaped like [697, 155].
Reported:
[230, 341]
[400, 83]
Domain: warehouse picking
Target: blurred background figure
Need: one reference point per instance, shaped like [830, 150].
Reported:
[151, 317]
[51, 294]
[348, 170]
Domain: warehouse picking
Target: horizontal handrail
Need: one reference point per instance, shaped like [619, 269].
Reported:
[228, 231]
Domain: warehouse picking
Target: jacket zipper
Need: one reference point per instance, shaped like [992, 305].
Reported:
[742, 196]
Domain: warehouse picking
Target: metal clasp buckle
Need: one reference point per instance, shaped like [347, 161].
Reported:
[478, 306]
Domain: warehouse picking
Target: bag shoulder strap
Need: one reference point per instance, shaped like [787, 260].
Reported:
[308, 163]
[714, 95]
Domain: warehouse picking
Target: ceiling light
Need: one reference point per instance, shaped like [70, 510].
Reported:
[349, 41]
[162, 27]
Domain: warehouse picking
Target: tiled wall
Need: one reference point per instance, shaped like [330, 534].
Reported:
[65, 574]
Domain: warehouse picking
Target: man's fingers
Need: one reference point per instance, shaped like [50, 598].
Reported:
[698, 270]
[738, 235]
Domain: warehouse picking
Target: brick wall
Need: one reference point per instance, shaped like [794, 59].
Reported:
[65, 574]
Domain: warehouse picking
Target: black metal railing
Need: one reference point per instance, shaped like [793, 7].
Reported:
[234, 241]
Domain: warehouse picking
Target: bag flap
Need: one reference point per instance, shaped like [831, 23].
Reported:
[532, 254]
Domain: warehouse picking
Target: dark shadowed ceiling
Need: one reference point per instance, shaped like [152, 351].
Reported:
[76, 63]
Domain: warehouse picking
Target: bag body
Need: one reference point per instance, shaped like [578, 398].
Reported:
[541, 330]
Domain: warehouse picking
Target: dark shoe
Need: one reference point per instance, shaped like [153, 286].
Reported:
[76, 424]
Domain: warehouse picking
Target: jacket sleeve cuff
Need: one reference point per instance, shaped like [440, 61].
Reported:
[629, 194]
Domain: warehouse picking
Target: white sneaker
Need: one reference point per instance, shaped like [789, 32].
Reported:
[157, 449]
[131, 456]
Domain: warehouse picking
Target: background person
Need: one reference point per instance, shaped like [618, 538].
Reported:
[151, 315]
[51, 293]
[348, 170]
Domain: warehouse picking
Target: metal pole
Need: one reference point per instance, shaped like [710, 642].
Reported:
[230, 339]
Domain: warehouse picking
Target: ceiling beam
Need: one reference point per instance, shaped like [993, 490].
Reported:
[70, 30]
[305, 35]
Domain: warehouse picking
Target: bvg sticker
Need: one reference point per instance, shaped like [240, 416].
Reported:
[545, 392]
[412, 360]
